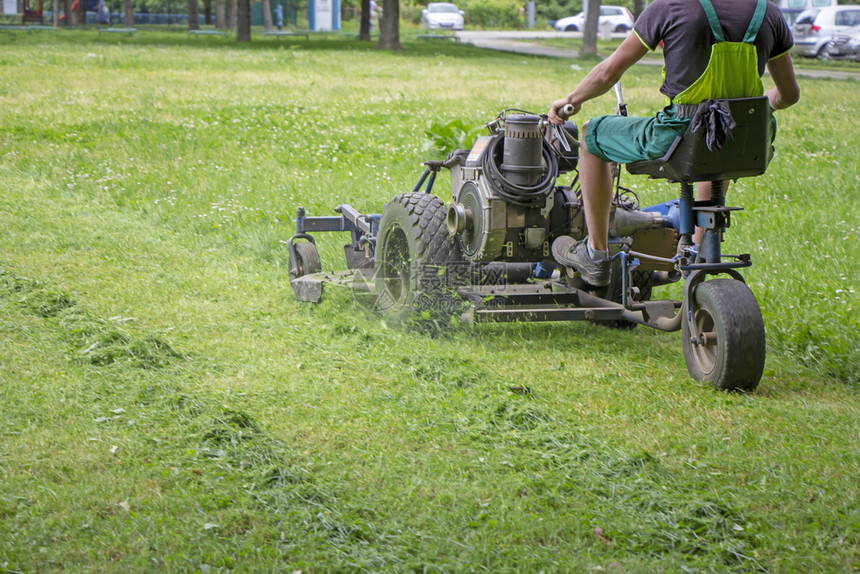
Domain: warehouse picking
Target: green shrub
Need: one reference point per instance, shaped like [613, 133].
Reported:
[453, 135]
[494, 13]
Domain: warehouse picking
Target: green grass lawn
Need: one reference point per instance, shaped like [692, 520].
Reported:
[167, 404]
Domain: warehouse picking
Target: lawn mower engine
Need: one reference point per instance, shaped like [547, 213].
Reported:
[506, 204]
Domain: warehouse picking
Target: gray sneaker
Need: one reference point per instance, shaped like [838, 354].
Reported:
[569, 253]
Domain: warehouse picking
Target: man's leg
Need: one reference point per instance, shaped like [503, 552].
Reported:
[596, 183]
[595, 179]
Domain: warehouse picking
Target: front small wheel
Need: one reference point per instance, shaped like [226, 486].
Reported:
[723, 336]
[307, 259]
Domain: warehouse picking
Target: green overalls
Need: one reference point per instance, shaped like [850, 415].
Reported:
[732, 72]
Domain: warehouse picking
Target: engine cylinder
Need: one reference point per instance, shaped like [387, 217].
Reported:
[522, 161]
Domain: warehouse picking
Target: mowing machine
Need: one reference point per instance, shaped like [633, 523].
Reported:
[486, 257]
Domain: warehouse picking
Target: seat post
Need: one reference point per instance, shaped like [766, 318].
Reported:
[687, 223]
[709, 250]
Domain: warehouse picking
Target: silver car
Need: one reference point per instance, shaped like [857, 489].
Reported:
[845, 45]
[814, 29]
[442, 15]
[618, 18]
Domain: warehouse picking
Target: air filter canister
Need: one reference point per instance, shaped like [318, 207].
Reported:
[522, 160]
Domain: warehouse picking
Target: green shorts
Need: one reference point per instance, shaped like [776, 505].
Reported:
[625, 139]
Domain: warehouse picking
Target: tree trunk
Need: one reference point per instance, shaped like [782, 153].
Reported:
[220, 20]
[637, 8]
[231, 14]
[193, 15]
[243, 21]
[79, 16]
[55, 17]
[364, 22]
[128, 8]
[207, 12]
[267, 15]
[589, 35]
[389, 26]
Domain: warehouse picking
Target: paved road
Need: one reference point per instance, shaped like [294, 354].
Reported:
[517, 42]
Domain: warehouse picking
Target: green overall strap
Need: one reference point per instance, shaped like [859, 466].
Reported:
[714, 21]
[717, 29]
[755, 23]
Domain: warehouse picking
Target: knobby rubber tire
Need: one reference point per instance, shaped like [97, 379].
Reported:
[417, 263]
[728, 313]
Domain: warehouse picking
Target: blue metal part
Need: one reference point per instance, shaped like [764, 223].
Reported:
[629, 262]
[685, 219]
[427, 172]
[623, 257]
[544, 270]
[709, 250]
[430, 183]
[362, 228]
[421, 180]
[670, 211]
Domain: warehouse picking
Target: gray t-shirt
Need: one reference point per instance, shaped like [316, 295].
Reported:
[687, 38]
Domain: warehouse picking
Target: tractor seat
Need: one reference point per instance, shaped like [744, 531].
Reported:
[746, 154]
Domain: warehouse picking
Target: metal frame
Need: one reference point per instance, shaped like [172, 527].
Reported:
[550, 299]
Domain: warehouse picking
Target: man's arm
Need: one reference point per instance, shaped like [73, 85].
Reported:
[601, 78]
[785, 92]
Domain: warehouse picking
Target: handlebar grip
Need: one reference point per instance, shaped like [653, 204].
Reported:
[567, 110]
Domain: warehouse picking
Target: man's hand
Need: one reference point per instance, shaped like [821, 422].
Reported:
[556, 114]
[601, 78]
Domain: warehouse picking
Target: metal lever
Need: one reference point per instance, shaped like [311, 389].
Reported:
[620, 106]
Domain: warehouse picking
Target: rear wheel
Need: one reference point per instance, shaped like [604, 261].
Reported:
[416, 261]
[723, 335]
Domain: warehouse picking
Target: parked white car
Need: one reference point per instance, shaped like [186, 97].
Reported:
[619, 18]
[845, 45]
[442, 15]
[814, 29]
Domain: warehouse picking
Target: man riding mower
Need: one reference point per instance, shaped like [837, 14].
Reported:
[515, 244]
